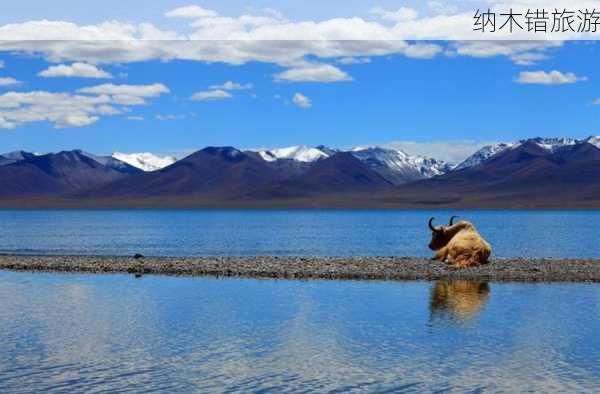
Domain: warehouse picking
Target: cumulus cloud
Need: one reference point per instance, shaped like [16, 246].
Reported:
[79, 70]
[8, 81]
[215, 38]
[440, 7]
[399, 15]
[520, 52]
[127, 94]
[269, 37]
[191, 12]
[230, 85]
[61, 109]
[548, 78]
[528, 58]
[301, 100]
[71, 109]
[313, 73]
[211, 95]
[162, 117]
[153, 90]
[354, 60]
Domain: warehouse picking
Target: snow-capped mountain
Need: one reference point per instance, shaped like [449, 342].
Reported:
[395, 165]
[398, 166]
[549, 144]
[483, 154]
[300, 153]
[145, 161]
[108, 161]
[552, 144]
[13, 157]
[594, 140]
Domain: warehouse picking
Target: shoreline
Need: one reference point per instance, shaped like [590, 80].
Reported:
[304, 268]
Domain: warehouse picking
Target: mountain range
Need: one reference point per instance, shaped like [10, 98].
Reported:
[528, 173]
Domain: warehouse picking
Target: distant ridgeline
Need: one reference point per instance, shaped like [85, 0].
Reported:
[531, 173]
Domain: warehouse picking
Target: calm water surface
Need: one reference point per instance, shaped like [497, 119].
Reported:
[535, 233]
[114, 333]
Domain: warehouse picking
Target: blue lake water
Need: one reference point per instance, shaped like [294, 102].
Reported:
[527, 233]
[114, 333]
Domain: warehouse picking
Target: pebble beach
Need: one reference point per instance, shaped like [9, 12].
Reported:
[340, 268]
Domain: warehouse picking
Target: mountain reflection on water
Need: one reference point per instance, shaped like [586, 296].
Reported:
[115, 333]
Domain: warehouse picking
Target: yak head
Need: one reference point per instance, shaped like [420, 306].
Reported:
[439, 236]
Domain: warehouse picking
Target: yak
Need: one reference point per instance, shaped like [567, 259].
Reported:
[459, 244]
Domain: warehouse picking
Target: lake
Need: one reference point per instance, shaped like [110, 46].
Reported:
[114, 333]
[512, 233]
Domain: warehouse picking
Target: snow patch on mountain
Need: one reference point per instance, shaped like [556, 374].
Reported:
[594, 140]
[106, 161]
[145, 161]
[13, 157]
[483, 154]
[552, 144]
[298, 153]
[398, 166]
[549, 144]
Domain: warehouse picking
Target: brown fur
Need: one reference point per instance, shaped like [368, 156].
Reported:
[460, 245]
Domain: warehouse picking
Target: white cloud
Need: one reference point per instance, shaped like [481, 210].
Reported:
[301, 100]
[270, 38]
[528, 58]
[8, 81]
[153, 90]
[5, 124]
[517, 51]
[314, 73]
[453, 151]
[169, 117]
[274, 13]
[230, 85]
[440, 7]
[75, 120]
[124, 99]
[135, 118]
[79, 70]
[191, 12]
[548, 78]
[107, 110]
[127, 94]
[214, 39]
[400, 15]
[1, 63]
[354, 60]
[61, 109]
[211, 95]
[70, 109]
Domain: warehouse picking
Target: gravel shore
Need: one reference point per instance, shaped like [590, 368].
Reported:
[355, 268]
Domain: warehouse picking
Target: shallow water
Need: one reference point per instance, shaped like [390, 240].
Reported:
[85, 333]
[512, 233]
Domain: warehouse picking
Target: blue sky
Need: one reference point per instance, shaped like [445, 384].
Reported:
[152, 11]
[461, 94]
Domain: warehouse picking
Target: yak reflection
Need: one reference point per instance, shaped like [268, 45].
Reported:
[459, 300]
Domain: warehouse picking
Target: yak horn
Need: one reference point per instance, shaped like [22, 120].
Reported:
[431, 226]
[451, 219]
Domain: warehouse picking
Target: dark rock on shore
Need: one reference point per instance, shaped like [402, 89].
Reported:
[282, 267]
